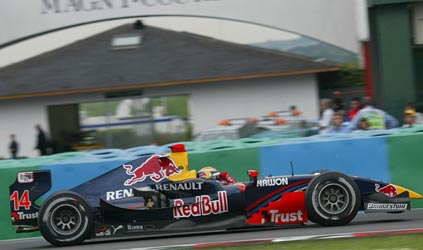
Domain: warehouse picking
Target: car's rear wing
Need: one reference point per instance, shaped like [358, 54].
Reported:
[24, 192]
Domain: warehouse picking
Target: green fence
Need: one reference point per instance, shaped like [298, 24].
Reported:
[406, 162]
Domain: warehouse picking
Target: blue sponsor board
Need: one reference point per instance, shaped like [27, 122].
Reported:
[363, 157]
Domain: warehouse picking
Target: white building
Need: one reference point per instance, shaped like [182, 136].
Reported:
[222, 80]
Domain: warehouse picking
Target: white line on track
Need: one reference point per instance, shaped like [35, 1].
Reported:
[284, 239]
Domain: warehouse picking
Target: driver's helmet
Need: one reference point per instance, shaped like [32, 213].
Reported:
[208, 173]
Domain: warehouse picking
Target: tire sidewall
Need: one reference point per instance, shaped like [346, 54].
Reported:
[318, 214]
[71, 201]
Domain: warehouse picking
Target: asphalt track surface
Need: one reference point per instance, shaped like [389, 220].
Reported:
[362, 223]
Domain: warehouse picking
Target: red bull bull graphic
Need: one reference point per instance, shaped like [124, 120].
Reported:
[157, 168]
[390, 190]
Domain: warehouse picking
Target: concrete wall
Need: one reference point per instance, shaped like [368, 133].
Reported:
[209, 103]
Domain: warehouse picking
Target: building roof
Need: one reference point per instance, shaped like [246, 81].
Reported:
[164, 58]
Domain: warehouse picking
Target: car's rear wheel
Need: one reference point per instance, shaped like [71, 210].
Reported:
[332, 199]
[65, 219]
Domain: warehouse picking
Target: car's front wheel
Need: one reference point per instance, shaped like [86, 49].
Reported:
[65, 219]
[332, 199]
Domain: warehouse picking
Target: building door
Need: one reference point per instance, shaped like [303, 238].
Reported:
[64, 122]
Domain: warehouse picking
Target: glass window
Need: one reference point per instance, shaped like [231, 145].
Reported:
[132, 122]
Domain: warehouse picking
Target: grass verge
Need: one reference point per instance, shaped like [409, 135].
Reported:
[391, 242]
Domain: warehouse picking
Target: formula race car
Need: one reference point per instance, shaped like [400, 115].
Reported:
[158, 194]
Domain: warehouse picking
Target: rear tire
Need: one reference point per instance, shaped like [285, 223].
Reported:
[332, 199]
[65, 219]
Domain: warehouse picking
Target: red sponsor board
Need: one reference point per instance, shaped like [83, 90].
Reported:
[290, 209]
[203, 206]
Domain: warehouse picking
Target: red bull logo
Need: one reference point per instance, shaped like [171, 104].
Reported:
[390, 190]
[203, 206]
[156, 168]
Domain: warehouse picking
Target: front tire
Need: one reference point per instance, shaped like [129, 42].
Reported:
[332, 199]
[65, 219]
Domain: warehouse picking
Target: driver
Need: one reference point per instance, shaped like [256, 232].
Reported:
[212, 173]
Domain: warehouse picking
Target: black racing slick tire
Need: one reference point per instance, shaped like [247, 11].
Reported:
[332, 199]
[65, 219]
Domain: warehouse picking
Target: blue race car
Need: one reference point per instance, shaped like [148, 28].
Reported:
[159, 194]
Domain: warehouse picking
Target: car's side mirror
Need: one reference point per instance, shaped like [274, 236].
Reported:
[253, 174]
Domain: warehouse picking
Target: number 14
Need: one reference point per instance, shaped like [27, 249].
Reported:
[23, 201]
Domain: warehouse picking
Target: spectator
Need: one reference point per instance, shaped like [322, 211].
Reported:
[338, 104]
[338, 125]
[344, 113]
[419, 116]
[355, 105]
[363, 125]
[377, 119]
[41, 141]
[13, 146]
[326, 115]
[409, 118]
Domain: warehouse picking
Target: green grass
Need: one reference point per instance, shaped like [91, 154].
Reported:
[392, 242]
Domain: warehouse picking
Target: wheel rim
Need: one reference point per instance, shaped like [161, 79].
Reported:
[333, 198]
[65, 219]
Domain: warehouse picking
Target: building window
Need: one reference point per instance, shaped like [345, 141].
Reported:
[418, 23]
[126, 41]
[137, 121]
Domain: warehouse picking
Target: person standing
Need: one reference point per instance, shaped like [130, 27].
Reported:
[13, 146]
[377, 118]
[338, 104]
[363, 125]
[338, 125]
[418, 116]
[326, 116]
[41, 140]
[355, 105]
[409, 118]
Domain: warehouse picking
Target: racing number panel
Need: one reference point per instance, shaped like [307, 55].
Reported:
[27, 188]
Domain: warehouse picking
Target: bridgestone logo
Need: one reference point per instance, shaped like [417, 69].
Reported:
[388, 206]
